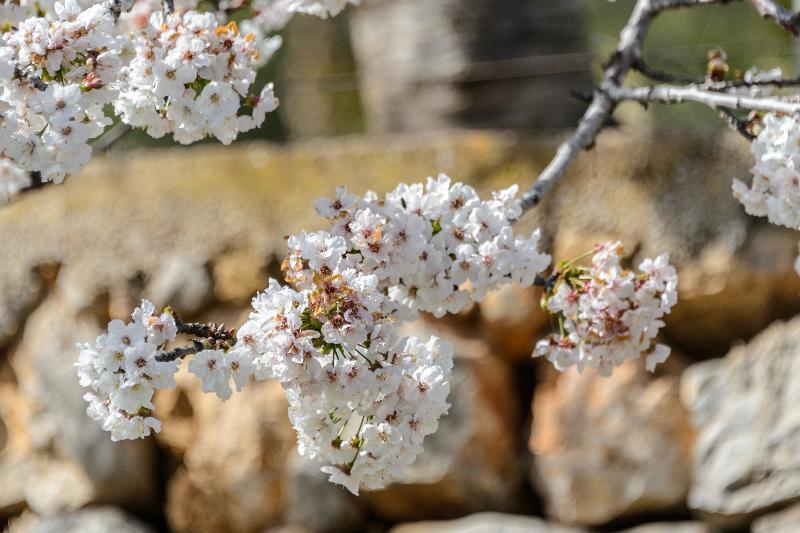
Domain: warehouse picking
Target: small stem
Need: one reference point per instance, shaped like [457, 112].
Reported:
[360, 445]
[180, 353]
[568, 264]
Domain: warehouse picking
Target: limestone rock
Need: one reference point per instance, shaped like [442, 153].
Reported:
[334, 508]
[496, 522]
[232, 474]
[238, 275]
[512, 320]
[182, 282]
[471, 462]
[744, 408]
[609, 447]
[75, 461]
[15, 450]
[786, 521]
[91, 520]
[670, 527]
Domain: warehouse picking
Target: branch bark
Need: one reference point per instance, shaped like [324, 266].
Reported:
[769, 9]
[671, 94]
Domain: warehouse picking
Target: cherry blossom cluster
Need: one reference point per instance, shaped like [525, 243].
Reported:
[56, 74]
[775, 188]
[123, 372]
[361, 400]
[433, 247]
[273, 15]
[608, 314]
[129, 362]
[187, 73]
[191, 77]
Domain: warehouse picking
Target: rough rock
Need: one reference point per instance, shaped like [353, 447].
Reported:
[232, 474]
[471, 463]
[182, 281]
[670, 527]
[334, 508]
[15, 450]
[744, 408]
[238, 275]
[496, 522]
[609, 447]
[512, 321]
[91, 520]
[786, 521]
[75, 461]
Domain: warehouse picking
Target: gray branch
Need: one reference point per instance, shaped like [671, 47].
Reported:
[627, 56]
[784, 18]
[670, 94]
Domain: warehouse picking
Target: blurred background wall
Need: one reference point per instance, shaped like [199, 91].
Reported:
[396, 91]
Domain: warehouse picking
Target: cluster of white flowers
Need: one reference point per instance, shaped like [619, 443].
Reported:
[56, 74]
[273, 15]
[775, 189]
[186, 73]
[608, 314]
[123, 372]
[361, 400]
[320, 8]
[191, 77]
[433, 247]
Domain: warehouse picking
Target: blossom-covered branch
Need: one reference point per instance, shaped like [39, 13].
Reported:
[166, 69]
[628, 55]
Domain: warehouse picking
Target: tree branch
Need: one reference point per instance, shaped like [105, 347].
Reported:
[769, 9]
[670, 94]
[659, 75]
[216, 332]
[739, 125]
[180, 353]
[627, 54]
[35, 81]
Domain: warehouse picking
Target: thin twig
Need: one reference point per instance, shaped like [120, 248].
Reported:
[216, 332]
[662, 76]
[35, 81]
[739, 125]
[180, 353]
[736, 84]
[784, 18]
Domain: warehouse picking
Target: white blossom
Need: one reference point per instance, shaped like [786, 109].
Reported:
[608, 314]
[122, 372]
[191, 76]
[775, 189]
